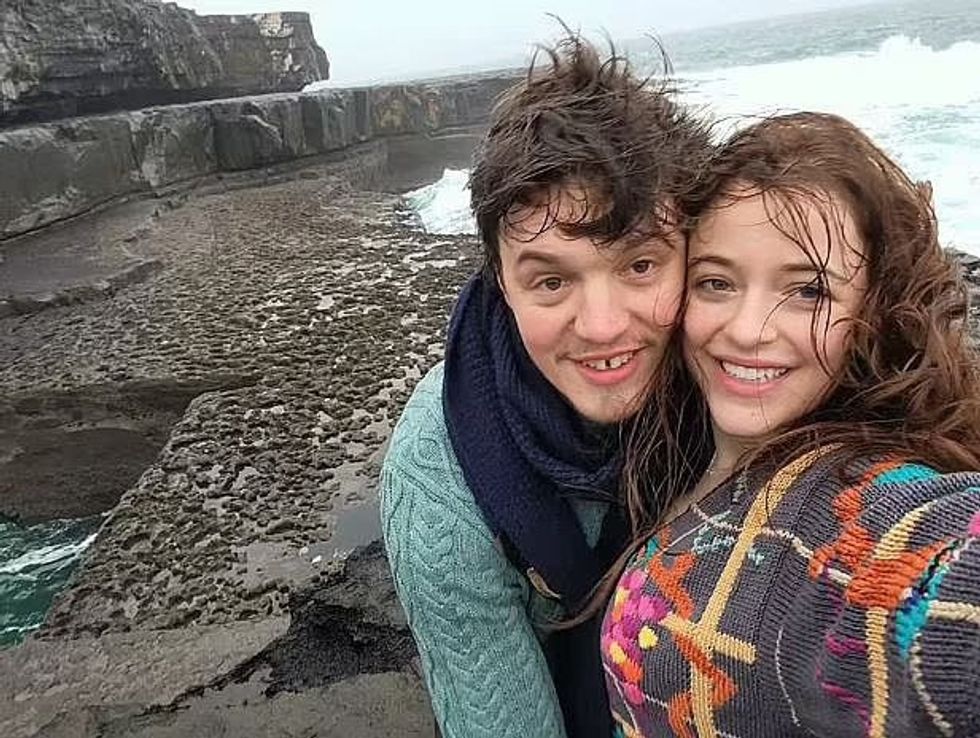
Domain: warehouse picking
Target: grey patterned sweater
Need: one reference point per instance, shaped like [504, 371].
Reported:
[815, 604]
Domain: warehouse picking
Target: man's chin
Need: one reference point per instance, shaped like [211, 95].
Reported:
[613, 410]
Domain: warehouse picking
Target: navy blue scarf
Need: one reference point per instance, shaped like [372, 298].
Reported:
[523, 448]
[524, 452]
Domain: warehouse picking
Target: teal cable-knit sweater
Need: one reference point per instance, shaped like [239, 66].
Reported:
[476, 620]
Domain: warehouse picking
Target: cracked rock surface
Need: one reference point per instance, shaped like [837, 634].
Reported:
[298, 317]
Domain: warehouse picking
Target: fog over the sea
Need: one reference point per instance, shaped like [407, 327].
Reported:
[369, 41]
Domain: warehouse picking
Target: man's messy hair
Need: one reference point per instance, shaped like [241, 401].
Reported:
[583, 126]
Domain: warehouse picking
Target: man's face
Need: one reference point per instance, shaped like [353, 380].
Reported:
[595, 321]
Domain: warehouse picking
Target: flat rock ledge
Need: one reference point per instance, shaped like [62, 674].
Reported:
[343, 664]
[267, 357]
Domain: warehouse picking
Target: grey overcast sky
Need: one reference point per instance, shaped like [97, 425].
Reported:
[368, 40]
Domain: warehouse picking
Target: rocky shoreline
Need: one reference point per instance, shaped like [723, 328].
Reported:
[271, 350]
[208, 327]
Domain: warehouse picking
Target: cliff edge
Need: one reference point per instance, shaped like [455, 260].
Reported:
[93, 56]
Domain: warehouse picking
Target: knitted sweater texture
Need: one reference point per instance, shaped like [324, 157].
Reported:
[821, 601]
[476, 621]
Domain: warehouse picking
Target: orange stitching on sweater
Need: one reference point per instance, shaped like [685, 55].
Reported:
[855, 543]
[883, 583]
[669, 580]
[679, 714]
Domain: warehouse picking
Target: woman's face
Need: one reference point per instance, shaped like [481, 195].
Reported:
[766, 327]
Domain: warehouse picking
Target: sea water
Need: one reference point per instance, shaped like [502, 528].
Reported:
[36, 562]
[906, 73]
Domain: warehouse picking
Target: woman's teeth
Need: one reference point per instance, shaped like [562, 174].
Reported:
[615, 362]
[753, 373]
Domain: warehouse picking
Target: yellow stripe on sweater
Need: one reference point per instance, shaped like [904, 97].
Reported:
[706, 630]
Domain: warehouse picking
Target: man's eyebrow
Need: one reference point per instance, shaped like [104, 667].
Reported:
[530, 255]
[799, 268]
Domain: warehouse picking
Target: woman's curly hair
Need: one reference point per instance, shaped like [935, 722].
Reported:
[909, 382]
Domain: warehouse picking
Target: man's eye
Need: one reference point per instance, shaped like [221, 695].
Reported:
[551, 284]
[642, 266]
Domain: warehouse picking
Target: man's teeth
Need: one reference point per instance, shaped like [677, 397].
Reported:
[753, 373]
[613, 363]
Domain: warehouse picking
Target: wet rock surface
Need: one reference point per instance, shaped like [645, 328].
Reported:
[346, 665]
[312, 291]
[296, 318]
[91, 56]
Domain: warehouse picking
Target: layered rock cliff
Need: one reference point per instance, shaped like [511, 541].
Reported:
[61, 59]
[57, 170]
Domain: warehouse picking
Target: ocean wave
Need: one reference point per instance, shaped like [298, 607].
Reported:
[444, 206]
[45, 556]
[920, 103]
[902, 73]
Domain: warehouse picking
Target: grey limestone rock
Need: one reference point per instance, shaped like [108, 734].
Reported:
[62, 59]
[57, 170]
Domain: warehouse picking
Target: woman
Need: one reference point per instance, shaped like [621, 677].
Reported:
[818, 572]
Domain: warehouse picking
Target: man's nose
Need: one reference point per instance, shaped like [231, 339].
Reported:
[602, 316]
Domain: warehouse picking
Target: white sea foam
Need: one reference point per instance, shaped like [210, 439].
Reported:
[45, 556]
[444, 206]
[921, 104]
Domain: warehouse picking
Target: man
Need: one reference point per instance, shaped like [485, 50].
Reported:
[499, 490]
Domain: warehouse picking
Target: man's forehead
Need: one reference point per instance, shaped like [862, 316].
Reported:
[548, 206]
[554, 244]
[559, 212]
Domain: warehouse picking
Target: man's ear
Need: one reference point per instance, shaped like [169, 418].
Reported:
[500, 284]
[503, 289]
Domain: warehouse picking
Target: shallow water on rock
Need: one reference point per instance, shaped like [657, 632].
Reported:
[36, 562]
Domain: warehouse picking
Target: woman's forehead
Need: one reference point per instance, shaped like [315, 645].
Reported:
[748, 224]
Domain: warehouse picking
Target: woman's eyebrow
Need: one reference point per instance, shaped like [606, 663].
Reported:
[799, 268]
[807, 268]
[711, 259]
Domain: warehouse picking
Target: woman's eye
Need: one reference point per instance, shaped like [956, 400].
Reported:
[811, 291]
[714, 284]
[551, 284]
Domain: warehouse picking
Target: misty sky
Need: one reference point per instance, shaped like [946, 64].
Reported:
[368, 40]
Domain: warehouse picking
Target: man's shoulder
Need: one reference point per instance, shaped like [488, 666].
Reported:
[420, 470]
[420, 443]
[423, 414]
[428, 392]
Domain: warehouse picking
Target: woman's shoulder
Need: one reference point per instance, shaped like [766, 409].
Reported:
[884, 479]
[898, 538]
